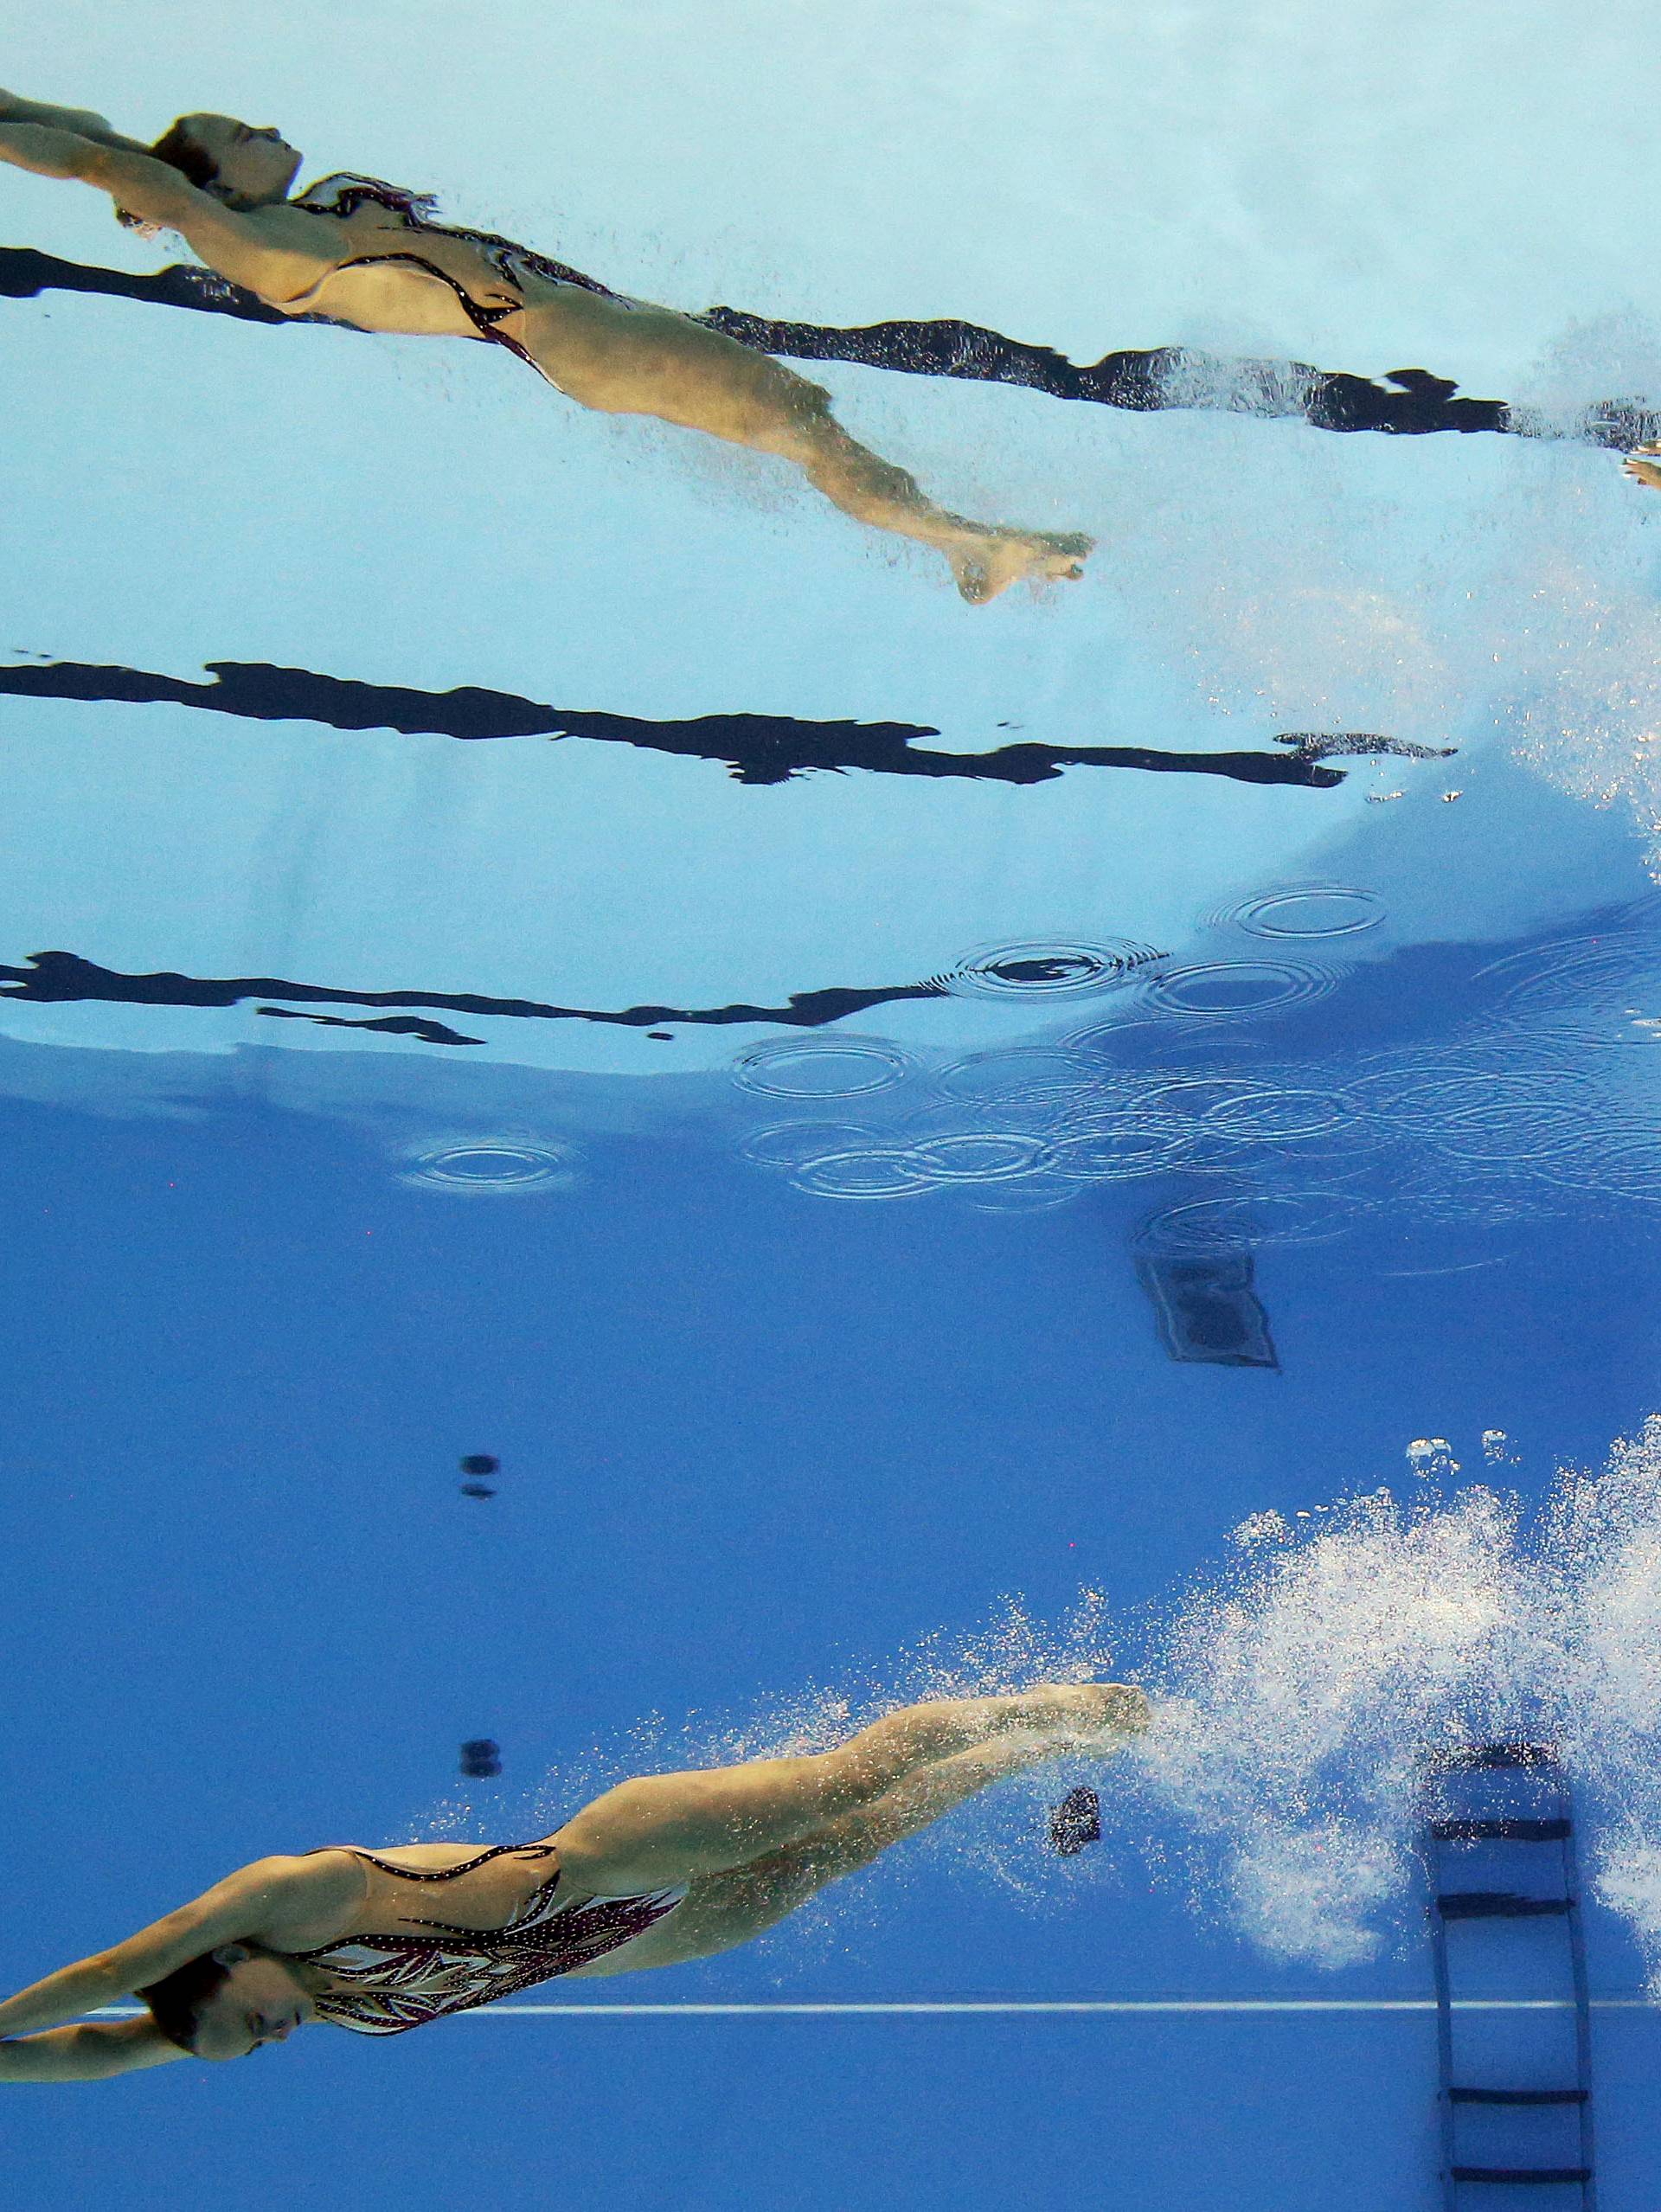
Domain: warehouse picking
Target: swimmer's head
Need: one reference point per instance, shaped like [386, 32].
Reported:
[243, 166]
[230, 2001]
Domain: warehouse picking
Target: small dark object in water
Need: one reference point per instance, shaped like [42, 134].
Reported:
[480, 1758]
[662, 1036]
[1206, 1308]
[1075, 1822]
[476, 1490]
[480, 1463]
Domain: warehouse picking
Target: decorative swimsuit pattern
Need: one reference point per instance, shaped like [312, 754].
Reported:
[395, 1982]
[342, 195]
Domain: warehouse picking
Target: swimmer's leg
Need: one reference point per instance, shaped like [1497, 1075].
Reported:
[636, 359]
[723, 1910]
[984, 559]
[663, 1829]
[1642, 465]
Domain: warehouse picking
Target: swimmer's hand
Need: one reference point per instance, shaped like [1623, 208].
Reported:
[1643, 470]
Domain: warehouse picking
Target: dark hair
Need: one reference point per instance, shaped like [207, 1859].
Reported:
[178, 1997]
[179, 150]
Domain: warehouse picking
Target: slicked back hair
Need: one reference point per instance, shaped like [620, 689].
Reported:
[180, 151]
[178, 1997]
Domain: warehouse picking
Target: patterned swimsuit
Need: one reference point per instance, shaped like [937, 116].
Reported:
[389, 1984]
[342, 195]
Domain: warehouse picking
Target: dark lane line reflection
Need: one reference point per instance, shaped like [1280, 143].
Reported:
[754, 748]
[59, 978]
[1410, 402]
[390, 1025]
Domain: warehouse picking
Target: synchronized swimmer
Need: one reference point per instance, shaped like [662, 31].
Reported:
[659, 1871]
[370, 254]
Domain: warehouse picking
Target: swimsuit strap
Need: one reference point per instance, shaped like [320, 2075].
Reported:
[442, 1872]
[482, 1938]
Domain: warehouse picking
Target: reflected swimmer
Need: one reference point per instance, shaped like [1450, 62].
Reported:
[369, 254]
[659, 1871]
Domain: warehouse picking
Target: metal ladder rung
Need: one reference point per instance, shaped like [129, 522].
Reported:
[1522, 2173]
[1497, 1904]
[1500, 1831]
[1485, 1757]
[1519, 2096]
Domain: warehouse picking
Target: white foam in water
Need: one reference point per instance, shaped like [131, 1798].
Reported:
[1309, 1685]
[1306, 1685]
[1605, 1548]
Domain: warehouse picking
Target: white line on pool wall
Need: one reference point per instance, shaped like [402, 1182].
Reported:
[955, 2007]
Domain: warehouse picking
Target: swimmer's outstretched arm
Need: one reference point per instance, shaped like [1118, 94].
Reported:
[228, 240]
[14, 108]
[243, 1908]
[90, 2052]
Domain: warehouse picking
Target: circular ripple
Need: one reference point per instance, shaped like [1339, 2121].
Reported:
[877, 1172]
[1537, 1130]
[979, 1156]
[1280, 1116]
[1601, 990]
[1016, 1073]
[1039, 1193]
[1260, 1218]
[1486, 1204]
[1046, 969]
[493, 1166]
[1619, 1163]
[793, 1144]
[822, 1068]
[1233, 990]
[1113, 1154]
[1301, 910]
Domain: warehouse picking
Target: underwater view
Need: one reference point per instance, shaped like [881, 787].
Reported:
[831, 1106]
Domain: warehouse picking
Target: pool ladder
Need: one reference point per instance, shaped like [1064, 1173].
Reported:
[1506, 1806]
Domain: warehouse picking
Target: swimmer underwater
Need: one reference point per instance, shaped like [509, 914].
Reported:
[369, 254]
[659, 1871]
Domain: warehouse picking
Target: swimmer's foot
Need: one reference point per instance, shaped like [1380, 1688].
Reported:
[1085, 1712]
[987, 562]
[1642, 465]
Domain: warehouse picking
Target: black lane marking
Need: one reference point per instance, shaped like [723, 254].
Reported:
[392, 1025]
[59, 978]
[754, 749]
[25, 274]
[1409, 402]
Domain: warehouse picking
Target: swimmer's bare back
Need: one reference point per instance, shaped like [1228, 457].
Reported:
[369, 255]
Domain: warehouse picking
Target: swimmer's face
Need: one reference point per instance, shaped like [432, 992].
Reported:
[253, 165]
[259, 2001]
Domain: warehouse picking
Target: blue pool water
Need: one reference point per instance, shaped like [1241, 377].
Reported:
[524, 933]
